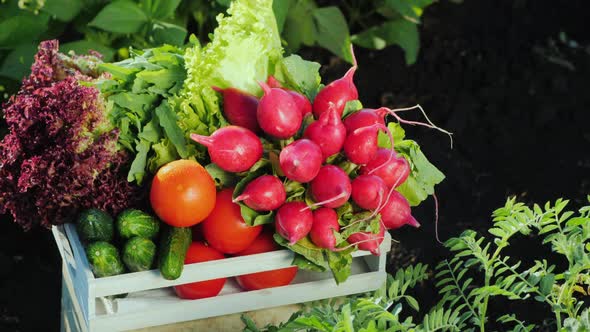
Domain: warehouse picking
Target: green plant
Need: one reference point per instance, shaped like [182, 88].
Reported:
[374, 25]
[467, 291]
[478, 273]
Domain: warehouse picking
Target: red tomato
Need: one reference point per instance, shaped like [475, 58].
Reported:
[198, 252]
[275, 278]
[225, 229]
[182, 193]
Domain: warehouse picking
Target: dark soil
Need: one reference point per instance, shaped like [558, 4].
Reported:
[493, 72]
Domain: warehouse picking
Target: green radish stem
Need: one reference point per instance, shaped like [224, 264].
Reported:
[335, 198]
[356, 243]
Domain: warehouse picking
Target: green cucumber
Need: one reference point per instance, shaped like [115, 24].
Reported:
[104, 259]
[173, 246]
[133, 222]
[139, 254]
[95, 225]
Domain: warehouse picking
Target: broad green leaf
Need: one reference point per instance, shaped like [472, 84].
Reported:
[299, 28]
[281, 10]
[167, 33]
[332, 31]
[222, 178]
[305, 264]
[410, 9]
[122, 16]
[254, 218]
[18, 29]
[168, 122]
[340, 263]
[164, 152]
[351, 107]
[400, 32]
[546, 283]
[305, 248]
[81, 47]
[17, 63]
[300, 74]
[162, 9]
[63, 10]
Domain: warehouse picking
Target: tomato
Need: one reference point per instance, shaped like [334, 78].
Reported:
[182, 193]
[225, 229]
[199, 252]
[275, 278]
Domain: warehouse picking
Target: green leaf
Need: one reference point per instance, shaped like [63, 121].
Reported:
[19, 29]
[305, 264]
[254, 218]
[281, 10]
[222, 178]
[167, 33]
[121, 16]
[83, 46]
[137, 169]
[63, 10]
[305, 248]
[17, 63]
[410, 9]
[299, 27]
[332, 31]
[168, 121]
[164, 152]
[400, 32]
[546, 283]
[340, 263]
[423, 176]
[351, 107]
[412, 302]
[300, 74]
[162, 9]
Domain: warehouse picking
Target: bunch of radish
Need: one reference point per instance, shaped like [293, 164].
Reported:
[315, 132]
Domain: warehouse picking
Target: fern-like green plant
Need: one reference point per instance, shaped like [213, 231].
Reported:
[380, 311]
[479, 271]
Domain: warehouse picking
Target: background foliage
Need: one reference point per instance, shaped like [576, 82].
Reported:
[111, 27]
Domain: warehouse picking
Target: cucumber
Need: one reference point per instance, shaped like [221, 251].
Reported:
[139, 254]
[104, 259]
[133, 222]
[95, 225]
[173, 246]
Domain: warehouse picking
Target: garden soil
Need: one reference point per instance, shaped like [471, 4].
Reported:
[510, 79]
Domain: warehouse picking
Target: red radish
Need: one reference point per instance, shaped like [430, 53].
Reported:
[360, 146]
[336, 94]
[278, 113]
[301, 160]
[293, 221]
[363, 118]
[232, 148]
[328, 132]
[273, 82]
[239, 108]
[392, 169]
[331, 187]
[369, 191]
[325, 222]
[302, 102]
[264, 193]
[396, 212]
[363, 239]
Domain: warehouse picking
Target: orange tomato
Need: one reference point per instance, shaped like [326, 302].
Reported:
[182, 193]
[225, 229]
[260, 280]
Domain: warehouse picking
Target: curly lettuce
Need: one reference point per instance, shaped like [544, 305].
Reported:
[243, 51]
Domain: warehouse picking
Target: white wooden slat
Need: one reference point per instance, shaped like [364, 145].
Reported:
[240, 302]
